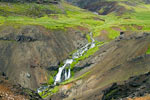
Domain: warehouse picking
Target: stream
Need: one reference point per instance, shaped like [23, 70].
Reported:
[64, 72]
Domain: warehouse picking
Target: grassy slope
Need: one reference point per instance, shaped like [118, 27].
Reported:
[64, 15]
[132, 21]
[135, 18]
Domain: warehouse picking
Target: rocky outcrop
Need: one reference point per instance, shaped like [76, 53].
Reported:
[136, 86]
[27, 52]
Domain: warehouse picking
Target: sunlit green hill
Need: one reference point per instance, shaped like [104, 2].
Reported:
[63, 15]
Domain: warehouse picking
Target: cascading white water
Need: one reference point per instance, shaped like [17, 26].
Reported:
[68, 62]
[67, 72]
[59, 74]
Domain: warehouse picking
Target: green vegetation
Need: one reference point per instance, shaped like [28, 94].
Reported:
[51, 80]
[75, 79]
[50, 16]
[88, 38]
[108, 96]
[148, 51]
[87, 54]
[49, 92]
[63, 15]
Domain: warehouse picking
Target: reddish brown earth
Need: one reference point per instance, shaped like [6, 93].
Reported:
[7, 94]
[116, 28]
[10, 91]
[141, 98]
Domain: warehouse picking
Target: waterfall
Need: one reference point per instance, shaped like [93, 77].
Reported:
[66, 76]
[67, 72]
[68, 62]
[59, 74]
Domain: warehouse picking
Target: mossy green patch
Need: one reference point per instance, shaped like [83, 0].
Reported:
[108, 96]
[49, 92]
[88, 37]
[51, 80]
[87, 54]
[75, 79]
[148, 51]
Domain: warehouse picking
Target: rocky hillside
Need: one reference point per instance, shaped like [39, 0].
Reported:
[27, 52]
[108, 6]
[137, 86]
[34, 40]
[114, 62]
[36, 36]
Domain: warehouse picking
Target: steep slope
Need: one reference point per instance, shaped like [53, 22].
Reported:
[115, 62]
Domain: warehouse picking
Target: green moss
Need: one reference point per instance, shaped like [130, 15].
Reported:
[51, 80]
[49, 92]
[65, 15]
[88, 37]
[87, 54]
[50, 16]
[108, 96]
[72, 79]
[55, 90]
[148, 51]
[101, 10]
[113, 34]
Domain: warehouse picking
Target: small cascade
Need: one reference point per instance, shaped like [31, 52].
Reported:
[93, 44]
[66, 76]
[58, 78]
[64, 72]
[69, 73]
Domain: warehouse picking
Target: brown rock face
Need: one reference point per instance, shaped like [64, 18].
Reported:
[27, 52]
